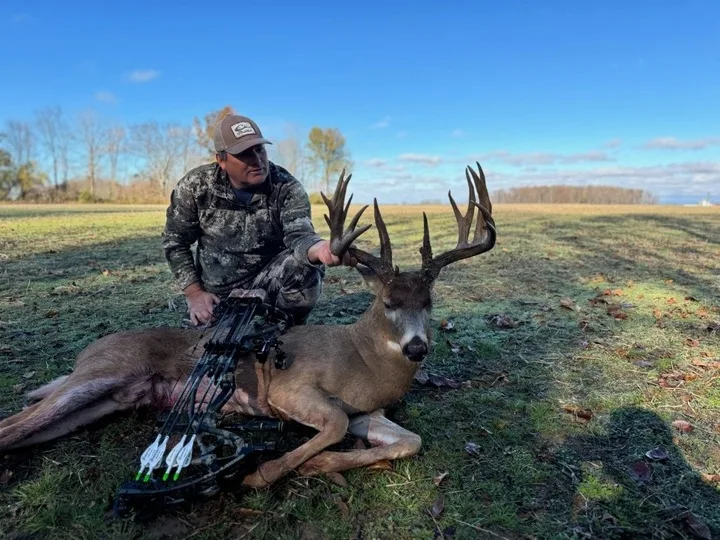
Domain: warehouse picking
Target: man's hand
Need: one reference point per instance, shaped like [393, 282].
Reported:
[320, 252]
[200, 303]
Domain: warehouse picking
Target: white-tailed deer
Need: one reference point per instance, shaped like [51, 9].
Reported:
[338, 378]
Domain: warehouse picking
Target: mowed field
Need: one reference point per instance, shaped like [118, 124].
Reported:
[586, 345]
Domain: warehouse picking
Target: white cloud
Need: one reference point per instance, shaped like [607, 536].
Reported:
[613, 143]
[376, 162]
[532, 159]
[385, 122]
[143, 75]
[672, 143]
[421, 158]
[105, 97]
[458, 133]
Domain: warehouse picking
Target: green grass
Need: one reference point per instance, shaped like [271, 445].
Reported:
[538, 469]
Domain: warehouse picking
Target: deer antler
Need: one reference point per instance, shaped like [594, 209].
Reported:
[483, 238]
[341, 240]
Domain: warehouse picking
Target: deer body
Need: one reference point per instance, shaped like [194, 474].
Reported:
[338, 378]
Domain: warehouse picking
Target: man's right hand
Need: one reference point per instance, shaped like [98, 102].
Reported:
[200, 303]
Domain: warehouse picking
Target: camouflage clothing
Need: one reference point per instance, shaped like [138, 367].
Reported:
[237, 242]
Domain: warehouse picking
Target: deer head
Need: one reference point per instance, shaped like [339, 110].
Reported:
[403, 300]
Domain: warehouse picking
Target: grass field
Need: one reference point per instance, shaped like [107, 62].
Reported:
[581, 340]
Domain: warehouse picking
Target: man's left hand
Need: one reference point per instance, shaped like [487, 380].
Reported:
[320, 252]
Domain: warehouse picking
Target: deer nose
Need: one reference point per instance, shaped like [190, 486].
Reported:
[415, 349]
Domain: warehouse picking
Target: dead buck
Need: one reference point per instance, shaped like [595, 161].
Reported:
[338, 378]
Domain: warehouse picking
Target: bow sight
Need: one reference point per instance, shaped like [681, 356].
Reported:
[245, 325]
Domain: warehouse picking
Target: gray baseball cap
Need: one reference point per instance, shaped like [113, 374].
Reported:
[235, 134]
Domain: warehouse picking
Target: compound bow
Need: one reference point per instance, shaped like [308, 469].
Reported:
[245, 325]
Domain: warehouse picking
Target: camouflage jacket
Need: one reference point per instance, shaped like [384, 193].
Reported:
[234, 241]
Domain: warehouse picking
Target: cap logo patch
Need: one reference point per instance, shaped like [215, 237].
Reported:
[241, 129]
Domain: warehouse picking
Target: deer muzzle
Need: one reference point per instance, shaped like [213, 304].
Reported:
[416, 349]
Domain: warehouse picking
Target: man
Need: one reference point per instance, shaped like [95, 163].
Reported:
[251, 221]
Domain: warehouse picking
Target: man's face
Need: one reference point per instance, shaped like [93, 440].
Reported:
[248, 168]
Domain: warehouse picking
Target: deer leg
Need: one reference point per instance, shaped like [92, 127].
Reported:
[312, 409]
[70, 423]
[67, 398]
[389, 441]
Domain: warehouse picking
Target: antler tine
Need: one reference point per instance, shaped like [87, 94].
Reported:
[484, 236]
[340, 240]
[484, 201]
[382, 266]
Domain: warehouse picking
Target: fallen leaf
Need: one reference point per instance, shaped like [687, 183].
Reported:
[682, 425]
[248, 512]
[671, 301]
[711, 364]
[440, 477]
[5, 476]
[342, 505]
[51, 313]
[337, 478]
[657, 454]
[28, 374]
[18, 388]
[585, 414]
[697, 526]
[472, 448]
[438, 507]
[454, 348]
[567, 303]
[501, 320]
[713, 327]
[421, 376]
[657, 314]
[643, 363]
[440, 381]
[690, 342]
[691, 299]
[712, 478]
[640, 471]
[446, 325]
[382, 465]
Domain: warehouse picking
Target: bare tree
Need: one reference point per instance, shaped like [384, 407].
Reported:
[205, 129]
[158, 148]
[19, 141]
[115, 138]
[50, 126]
[93, 139]
[290, 153]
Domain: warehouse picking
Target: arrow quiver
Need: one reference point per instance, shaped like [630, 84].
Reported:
[171, 470]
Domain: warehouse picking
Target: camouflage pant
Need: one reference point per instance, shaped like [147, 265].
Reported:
[291, 285]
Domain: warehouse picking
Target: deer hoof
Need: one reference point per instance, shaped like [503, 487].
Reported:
[254, 480]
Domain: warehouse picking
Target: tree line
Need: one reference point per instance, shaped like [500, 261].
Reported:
[574, 195]
[57, 158]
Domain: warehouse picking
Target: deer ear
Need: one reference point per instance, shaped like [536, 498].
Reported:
[370, 278]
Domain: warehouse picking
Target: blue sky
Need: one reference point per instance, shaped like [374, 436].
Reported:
[624, 93]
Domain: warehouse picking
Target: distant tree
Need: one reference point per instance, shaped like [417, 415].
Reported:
[29, 176]
[327, 153]
[574, 194]
[289, 153]
[19, 141]
[93, 138]
[115, 146]
[7, 172]
[205, 129]
[161, 149]
[51, 129]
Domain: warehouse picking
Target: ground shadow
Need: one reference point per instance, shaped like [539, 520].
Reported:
[652, 495]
